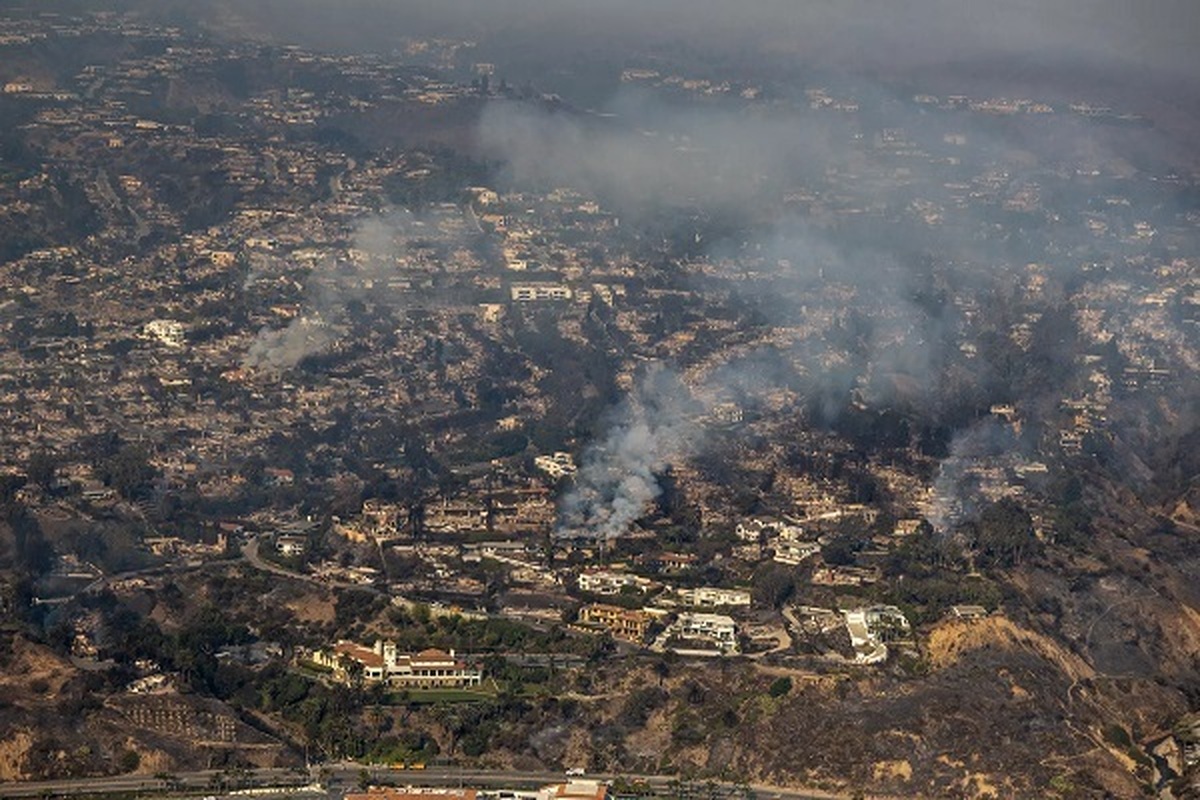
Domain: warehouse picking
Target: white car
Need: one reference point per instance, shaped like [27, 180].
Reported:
[574, 771]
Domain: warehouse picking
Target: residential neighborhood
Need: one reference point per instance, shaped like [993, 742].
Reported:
[492, 402]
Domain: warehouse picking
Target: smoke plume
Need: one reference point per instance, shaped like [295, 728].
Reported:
[286, 347]
[647, 155]
[989, 443]
[618, 475]
[381, 248]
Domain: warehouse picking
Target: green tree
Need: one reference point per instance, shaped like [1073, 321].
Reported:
[253, 470]
[42, 468]
[34, 554]
[772, 585]
[129, 472]
[841, 551]
[1005, 535]
[129, 761]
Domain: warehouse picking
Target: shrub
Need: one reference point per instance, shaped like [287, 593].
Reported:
[129, 761]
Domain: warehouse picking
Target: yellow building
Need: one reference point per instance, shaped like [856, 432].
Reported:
[627, 624]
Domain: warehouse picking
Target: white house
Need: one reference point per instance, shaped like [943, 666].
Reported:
[556, 465]
[526, 292]
[167, 331]
[871, 628]
[290, 545]
[754, 530]
[790, 551]
[605, 582]
[712, 597]
[717, 628]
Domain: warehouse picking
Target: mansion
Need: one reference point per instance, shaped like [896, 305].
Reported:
[429, 669]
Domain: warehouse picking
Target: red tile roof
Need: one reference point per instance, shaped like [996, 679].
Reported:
[363, 655]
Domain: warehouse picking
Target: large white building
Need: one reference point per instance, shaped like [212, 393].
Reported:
[754, 530]
[785, 538]
[167, 331]
[871, 628]
[429, 669]
[716, 628]
[527, 292]
[606, 582]
[556, 465]
[792, 552]
[711, 597]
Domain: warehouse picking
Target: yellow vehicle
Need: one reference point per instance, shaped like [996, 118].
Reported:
[417, 765]
[398, 765]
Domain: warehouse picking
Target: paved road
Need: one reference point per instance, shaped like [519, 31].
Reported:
[255, 559]
[341, 778]
[250, 553]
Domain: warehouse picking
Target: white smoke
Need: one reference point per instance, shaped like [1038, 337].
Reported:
[284, 348]
[648, 155]
[618, 476]
[380, 248]
[986, 444]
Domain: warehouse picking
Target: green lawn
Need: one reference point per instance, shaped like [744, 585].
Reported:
[427, 696]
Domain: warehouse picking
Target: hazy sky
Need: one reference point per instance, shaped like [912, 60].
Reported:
[1159, 34]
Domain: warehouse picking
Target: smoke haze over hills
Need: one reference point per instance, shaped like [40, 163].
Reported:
[1157, 35]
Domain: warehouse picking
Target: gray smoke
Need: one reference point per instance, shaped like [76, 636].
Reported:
[650, 158]
[618, 475]
[892, 36]
[989, 444]
[899, 318]
[380, 248]
[284, 348]
[645, 155]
